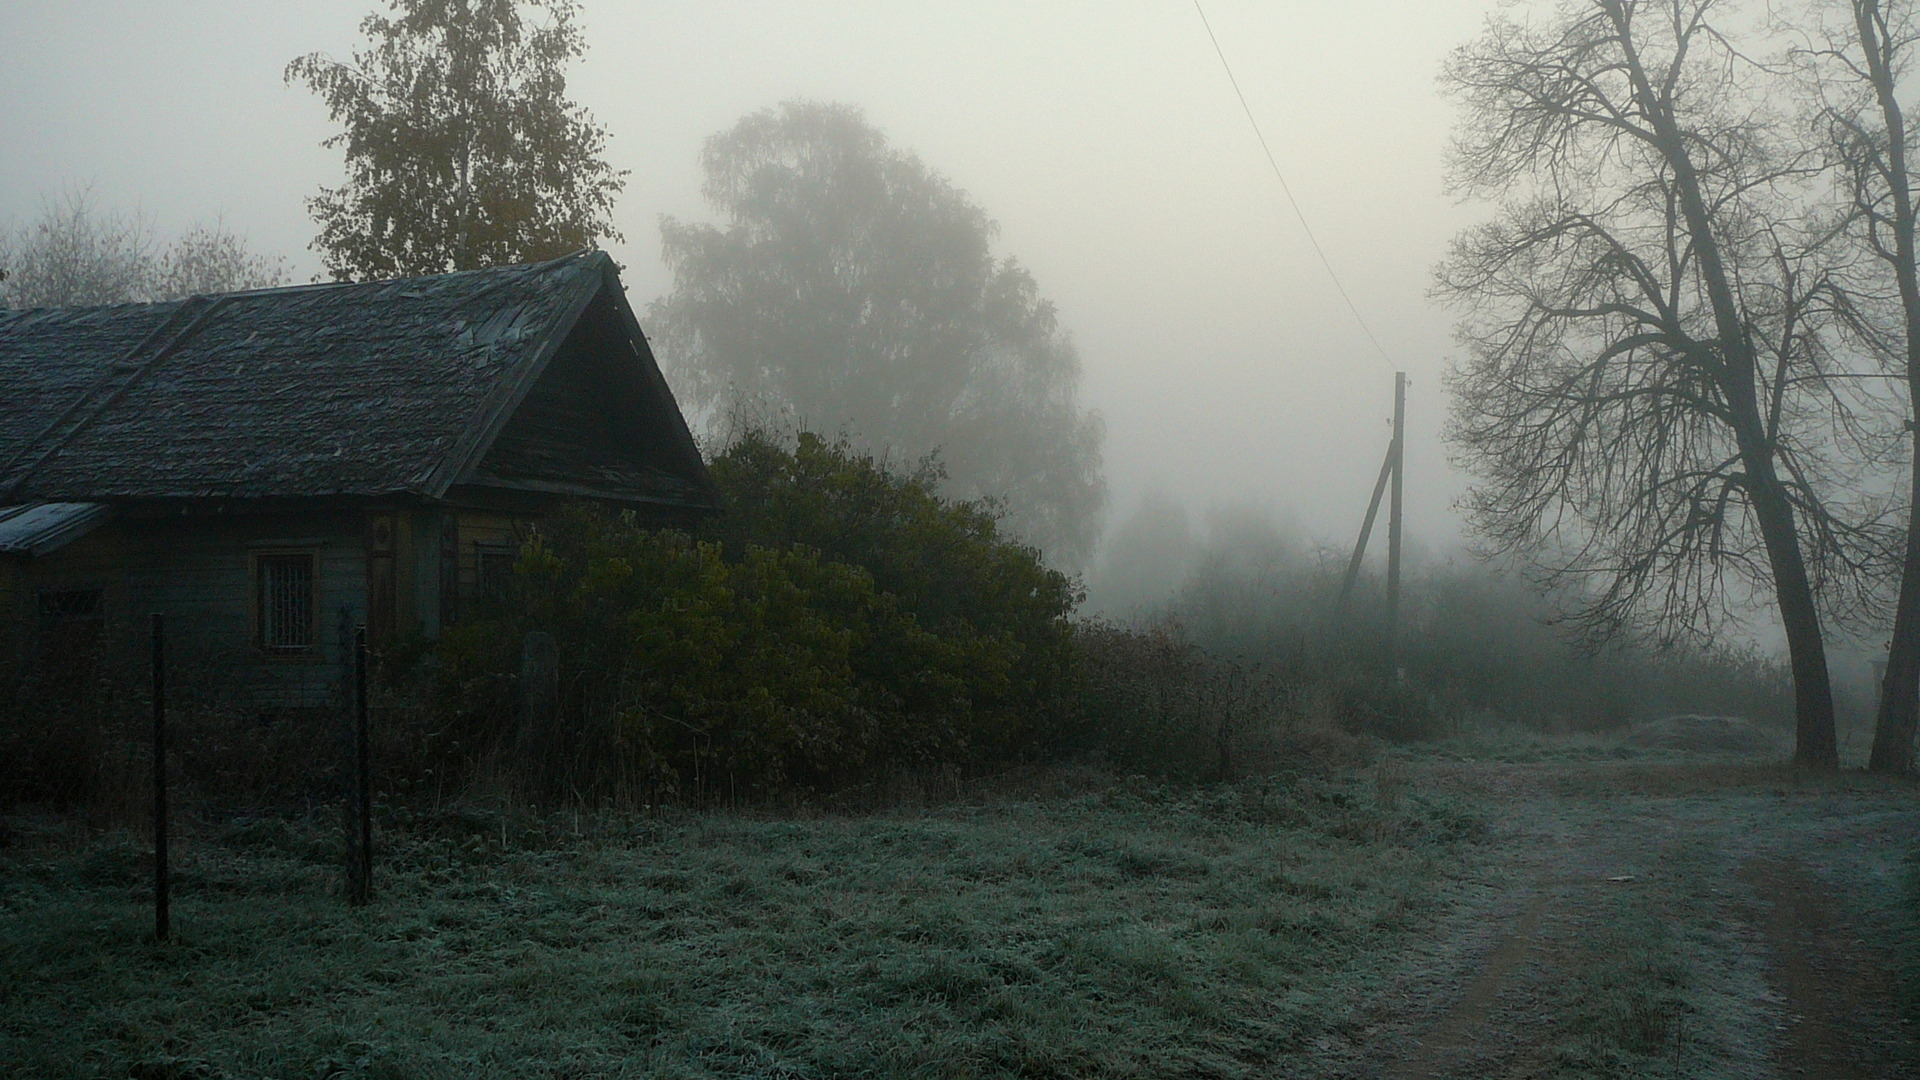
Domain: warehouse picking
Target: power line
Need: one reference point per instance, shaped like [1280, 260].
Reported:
[1288, 191]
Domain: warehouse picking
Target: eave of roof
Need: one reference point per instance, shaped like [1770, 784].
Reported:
[31, 530]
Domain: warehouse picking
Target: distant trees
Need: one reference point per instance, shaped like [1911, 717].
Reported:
[853, 286]
[75, 254]
[463, 150]
[1651, 397]
[1143, 558]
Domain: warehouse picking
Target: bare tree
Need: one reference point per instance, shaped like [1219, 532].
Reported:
[76, 254]
[1648, 396]
[1856, 70]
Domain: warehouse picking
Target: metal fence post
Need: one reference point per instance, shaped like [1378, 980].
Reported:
[360, 797]
[162, 915]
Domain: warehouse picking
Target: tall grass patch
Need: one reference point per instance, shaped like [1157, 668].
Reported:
[1122, 931]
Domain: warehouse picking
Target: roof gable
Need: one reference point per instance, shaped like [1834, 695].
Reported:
[595, 423]
[341, 389]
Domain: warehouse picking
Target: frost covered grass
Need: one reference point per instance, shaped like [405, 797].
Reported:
[1493, 742]
[1117, 931]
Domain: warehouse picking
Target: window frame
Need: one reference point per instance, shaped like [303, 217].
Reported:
[257, 559]
[495, 552]
[46, 623]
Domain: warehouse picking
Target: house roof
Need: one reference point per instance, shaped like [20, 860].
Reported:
[381, 388]
[38, 528]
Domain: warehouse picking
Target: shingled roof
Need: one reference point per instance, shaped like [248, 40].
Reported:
[376, 389]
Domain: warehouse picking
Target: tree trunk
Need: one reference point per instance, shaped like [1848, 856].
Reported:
[1893, 724]
[1814, 742]
[1813, 735]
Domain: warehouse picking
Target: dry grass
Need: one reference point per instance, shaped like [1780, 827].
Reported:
[1113, 929]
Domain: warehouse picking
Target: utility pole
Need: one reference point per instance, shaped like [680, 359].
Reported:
[1366, 530]
[1398, 453]
[1392, 477]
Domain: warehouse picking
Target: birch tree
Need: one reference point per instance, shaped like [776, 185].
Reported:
[852, 287]
[463, 150]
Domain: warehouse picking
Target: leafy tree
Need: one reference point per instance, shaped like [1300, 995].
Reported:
[1144, 559]
[854, 287]
[462, 148]
[76, 254]
[1648, 395]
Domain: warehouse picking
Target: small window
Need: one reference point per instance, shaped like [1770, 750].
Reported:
[493, 564]
[70, 606]
[70, 624]
[283, 597]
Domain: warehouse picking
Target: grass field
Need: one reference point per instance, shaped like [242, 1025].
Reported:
[1108, 930]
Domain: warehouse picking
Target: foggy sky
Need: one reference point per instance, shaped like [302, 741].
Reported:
[1101, 135]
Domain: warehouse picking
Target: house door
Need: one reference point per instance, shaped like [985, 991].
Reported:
[381, 596]
[69, 640]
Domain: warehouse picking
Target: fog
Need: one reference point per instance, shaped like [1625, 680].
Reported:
[1103, 137]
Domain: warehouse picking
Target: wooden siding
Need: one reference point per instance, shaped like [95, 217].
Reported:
[10, 623]
[595, 425]
[199, 572]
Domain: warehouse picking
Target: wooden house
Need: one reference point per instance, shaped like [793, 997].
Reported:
[271, 468]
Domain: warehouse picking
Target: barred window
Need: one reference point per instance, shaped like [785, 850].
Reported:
[283, 591]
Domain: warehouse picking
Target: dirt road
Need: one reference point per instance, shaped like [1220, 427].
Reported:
[1674, 920]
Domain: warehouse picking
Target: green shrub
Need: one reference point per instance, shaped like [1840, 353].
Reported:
[943, 561]
[839, 621]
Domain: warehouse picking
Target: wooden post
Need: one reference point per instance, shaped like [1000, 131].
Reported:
[1398, 453]
[162, 914]
[360, 797]
[539, 686]
[1366, 530]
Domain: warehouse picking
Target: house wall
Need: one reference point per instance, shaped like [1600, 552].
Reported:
[199, 571]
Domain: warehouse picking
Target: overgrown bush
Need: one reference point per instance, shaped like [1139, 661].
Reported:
[840, 620]
[1151, 702]
[945, 562]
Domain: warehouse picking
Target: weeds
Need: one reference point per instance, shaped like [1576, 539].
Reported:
[1127, 930]
[1630, 1000]
[1906, 931]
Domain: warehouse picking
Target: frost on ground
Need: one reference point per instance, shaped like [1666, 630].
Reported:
[1660, 920]
[1552, 913]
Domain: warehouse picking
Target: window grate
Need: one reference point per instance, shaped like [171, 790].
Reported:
[286, 603]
